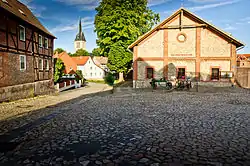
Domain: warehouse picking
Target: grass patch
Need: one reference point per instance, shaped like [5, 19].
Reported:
[97, 81]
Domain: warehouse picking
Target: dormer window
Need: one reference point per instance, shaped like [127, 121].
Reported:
[21, 32]
[5, 1]
[40, 40]
[21, 12]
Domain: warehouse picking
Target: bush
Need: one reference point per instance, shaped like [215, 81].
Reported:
[109, 79]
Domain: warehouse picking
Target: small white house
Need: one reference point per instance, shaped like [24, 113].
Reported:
[89, 68]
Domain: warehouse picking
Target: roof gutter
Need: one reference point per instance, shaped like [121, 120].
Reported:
[241, 47]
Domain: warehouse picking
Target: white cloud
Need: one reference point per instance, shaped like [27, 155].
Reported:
[82, 4]
[229, 27]
[36, 9]
[205, 1]
[156, 2]
[214, 5]
[87, 23]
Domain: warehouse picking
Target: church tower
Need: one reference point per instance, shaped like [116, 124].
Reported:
[80, 41]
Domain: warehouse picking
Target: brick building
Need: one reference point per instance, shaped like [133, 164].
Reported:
[26, 50]
[181, 46]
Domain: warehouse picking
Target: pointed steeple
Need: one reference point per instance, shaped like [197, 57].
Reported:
[80, 26]
[80, 36]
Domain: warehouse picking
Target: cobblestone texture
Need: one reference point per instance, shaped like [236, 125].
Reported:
[142, 128]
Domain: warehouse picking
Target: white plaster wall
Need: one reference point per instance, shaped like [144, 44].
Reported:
[90, 68]
[189, 65]
[157, 65]
[82, 45]
[214, 46]
[153, 46]
[205, 68]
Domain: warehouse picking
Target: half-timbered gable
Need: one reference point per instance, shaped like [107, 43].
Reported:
[21, 51]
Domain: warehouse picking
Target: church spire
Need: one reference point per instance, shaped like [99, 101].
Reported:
[80, 26]
[80, 36]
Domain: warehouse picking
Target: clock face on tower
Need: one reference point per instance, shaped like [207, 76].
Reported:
[181, 37]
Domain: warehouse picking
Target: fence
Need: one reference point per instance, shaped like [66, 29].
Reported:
[243, 77]
[68, 84]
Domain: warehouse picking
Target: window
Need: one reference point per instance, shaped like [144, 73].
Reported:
[181, 73]
[150, 73]
[21, 12]
[215, 74]
[46, 64]
[78, 45]
[95, 74]
[90, 74]
[40, 64]
[22, 62]
[21, 33]
[100, 73]
[90, 68]
[46, 43]
[40, 40]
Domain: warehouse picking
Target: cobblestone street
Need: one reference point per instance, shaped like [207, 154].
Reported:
[142, 128]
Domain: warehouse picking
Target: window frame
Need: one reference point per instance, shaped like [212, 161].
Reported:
[24, 33]
[41, 41]
[39, 64]
[146, 72]
[46, 46]
[177, 71]
[46, 63]
[25, 62]
[211, 70]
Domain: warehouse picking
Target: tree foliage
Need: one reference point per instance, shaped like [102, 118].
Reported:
[122, 20]
[59, 50]
[119, 23]
[96, 52]
[59, 70]
[119, 58]
[80, 52]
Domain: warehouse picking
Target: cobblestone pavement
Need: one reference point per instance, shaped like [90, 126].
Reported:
[142, 128]
[24, 111]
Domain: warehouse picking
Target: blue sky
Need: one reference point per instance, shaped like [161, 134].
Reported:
[61, 17]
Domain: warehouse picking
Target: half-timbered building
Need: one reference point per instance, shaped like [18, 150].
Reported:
[26, 50]
[182, 46]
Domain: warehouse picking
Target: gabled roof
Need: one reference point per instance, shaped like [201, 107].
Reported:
[20, 10]
[81, 60]
[243, 57]
[101, 60]
[68, 62]
[185, 11]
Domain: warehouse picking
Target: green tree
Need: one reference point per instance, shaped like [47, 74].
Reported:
[96, 52]
[81, 52]
[59, 50]
[59, 70]
[119, 59]
[122, 21]
[70, 54]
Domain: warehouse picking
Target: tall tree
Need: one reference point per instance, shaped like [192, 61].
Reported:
[59, 50]
[96, 52]
[118, 59]
[80, 52]
[122, 21]
[59, 70]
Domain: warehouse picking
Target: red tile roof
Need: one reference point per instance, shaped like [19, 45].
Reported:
[69, 63]
[20, 10]
[81, 60]
[243, 56]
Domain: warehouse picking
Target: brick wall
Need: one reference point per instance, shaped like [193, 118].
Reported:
[16, 92]
[11, 73]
